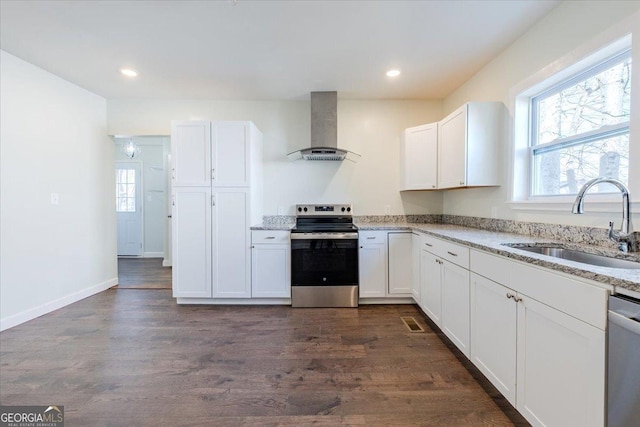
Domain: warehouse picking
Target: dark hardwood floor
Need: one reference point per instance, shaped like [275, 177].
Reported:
[143, 273]
[134, 357]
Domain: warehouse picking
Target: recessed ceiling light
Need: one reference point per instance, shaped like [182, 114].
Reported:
[129, 72]
[393, 73]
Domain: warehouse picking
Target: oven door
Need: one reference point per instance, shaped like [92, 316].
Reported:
[324, 259]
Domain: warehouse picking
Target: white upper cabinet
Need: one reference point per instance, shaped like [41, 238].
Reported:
[191, 153]
[230, 154]
[470, 145]
[419, 158]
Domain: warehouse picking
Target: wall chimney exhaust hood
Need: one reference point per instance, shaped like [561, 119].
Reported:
[324, 131]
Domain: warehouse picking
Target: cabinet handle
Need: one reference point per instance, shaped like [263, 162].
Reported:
[361, 247]
[252, 247]
[433, 186]
[213, 200]
[428, 244]
[517, 299]
[451, 253]
[461, 182]
[213, 174]
[369, 238]
[173, 200]
[173, 173]
[270, 237]
[510, 295]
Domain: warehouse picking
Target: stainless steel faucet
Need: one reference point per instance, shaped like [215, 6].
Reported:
[623, 237]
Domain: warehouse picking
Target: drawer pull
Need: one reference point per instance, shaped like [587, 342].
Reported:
[428, 244]
[372, 237]
[270, 237]
[451, 253]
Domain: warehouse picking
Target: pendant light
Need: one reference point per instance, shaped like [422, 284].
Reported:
[130, 149]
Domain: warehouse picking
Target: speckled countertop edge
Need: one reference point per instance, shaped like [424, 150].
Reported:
[492, 241]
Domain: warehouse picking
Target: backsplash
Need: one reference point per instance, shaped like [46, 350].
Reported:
[568, 233]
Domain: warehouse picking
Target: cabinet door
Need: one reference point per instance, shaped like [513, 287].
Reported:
[452, 150]
[372, 259]
[230, 154]
[231, 243]
[400, 257]
[560, 368]
[455, 305]
[493, 334]
[419, 158]
[431, 289]
[191, 153]
[191, 240]
[416, 243]
[271, 271]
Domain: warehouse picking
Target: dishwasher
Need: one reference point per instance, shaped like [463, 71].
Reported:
[623, 401]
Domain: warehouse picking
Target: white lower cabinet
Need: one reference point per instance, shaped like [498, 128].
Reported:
[540, 341]
[400, 260]
[270, 264]
[372, 260]
[431, 286]
[444, 294]
[231, 267]
[416, 241]
[455, 305]
[493, 334]
[191, 242]
[560, 368]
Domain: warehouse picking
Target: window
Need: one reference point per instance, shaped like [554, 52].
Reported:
[125, 190]
[579, 129]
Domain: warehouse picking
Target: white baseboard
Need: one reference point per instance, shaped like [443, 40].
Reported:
[32, 313]
[166, 263]
[153, 255]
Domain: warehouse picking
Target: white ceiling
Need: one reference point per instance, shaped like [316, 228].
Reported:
[265, 49]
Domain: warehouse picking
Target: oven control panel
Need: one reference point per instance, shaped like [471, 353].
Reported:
[323, 210]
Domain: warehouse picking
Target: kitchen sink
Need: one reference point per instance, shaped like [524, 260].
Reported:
[579, 256]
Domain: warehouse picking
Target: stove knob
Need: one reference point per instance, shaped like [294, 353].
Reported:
[305, 209]
[343, 209]
[348, 209]
[299, 209]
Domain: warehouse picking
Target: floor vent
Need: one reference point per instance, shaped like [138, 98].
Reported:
[411, 324]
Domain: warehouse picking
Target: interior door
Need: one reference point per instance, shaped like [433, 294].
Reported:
[129, 208]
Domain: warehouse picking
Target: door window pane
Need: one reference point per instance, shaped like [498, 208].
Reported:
[125, 190]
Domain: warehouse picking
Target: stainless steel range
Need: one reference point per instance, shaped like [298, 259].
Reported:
[324, 257]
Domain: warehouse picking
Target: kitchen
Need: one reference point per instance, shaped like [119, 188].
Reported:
[367, 125]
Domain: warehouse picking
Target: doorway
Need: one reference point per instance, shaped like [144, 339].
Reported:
[129, 208]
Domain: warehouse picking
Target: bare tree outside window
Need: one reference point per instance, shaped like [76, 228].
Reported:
[580, 129]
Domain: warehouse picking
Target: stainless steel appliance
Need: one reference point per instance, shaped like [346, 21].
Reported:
[623, 362]
[324, 257]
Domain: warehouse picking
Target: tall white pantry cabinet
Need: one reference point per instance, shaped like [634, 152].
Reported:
[216, 195]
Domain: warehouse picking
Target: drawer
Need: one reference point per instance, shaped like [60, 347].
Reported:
[490, 266]
[372, 237]
[269, 236]
[452, 252]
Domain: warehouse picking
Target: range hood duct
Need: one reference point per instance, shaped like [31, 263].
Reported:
[324, 131]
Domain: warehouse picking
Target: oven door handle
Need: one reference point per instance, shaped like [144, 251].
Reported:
[324, 236]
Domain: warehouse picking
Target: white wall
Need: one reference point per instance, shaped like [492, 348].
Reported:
[370, 128]
[53, 140]
[153, 153]
[562, 34]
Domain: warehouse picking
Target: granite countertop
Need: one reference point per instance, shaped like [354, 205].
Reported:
[276, 227]
[491, 241]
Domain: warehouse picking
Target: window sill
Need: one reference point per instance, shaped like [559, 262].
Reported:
[563, 204]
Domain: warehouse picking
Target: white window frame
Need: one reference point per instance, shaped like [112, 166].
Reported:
[590, 54]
